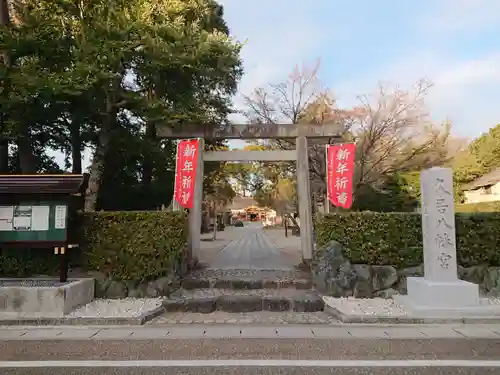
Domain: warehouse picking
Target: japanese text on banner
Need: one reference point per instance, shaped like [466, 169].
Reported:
[340, 172]
[185, 172]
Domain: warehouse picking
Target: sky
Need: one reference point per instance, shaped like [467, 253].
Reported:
[453, 43]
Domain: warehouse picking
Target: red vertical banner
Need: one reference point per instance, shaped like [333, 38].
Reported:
[340, 173]
[185, 171]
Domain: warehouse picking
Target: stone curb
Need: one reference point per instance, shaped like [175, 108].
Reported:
[360, 319]
[239, 304]
[239, 284]
[70, 321]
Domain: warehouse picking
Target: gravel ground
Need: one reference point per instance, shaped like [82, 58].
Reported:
[366, 306]
[257, 317]
[116, 308]
[380, 306]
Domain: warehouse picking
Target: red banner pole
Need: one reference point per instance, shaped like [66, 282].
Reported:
[174, 200]
[327, 203]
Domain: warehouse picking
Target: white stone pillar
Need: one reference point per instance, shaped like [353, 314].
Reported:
[438, 225]
[195, 213]
[304, 195]
[439, 292]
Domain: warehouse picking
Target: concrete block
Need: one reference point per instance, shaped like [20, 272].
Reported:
[46, 297]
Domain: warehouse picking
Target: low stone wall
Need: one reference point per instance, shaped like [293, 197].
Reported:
[336, 276]
[45, 297]
[108, 288]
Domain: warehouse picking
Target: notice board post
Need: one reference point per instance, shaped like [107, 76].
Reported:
[35, 212]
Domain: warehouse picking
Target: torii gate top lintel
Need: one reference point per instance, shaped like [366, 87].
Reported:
[253, 131]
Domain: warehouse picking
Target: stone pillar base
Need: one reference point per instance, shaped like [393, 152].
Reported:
[428, 298]
[438, 294]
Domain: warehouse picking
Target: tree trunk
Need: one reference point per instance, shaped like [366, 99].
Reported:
[97, 166]
[27, 159]
[4, 143]
[205, 221]
[4, 12]
[148, 165]
[76, 148]
[96, 170]
[4, 156]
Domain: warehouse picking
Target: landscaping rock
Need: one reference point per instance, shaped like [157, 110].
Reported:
[101, 287]
[386, 293]
[474, 274]
[332, 273]
[384, 277]
[166, 285]
[150, 290]
[491, 282]
[363, 288]
[101, 283]
[116, 289]
[135, 293]
[333, 289]
[408, 272]
[335, 276]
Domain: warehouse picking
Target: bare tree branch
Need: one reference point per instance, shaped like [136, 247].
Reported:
[392, 128]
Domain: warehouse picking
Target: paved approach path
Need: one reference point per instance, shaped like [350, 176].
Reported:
[251, 248]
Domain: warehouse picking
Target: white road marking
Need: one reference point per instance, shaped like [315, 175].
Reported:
[254, 363]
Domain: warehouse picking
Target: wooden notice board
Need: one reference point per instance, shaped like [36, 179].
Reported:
[42, 221]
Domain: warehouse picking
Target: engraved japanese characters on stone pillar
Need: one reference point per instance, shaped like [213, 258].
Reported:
[438, 224]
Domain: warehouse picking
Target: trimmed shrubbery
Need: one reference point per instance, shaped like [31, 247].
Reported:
[396, 238]
[127, 245]
[135, 245]
[19, 262]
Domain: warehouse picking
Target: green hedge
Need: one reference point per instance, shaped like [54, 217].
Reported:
[18, 262]
[124, 245]
[396, 238]
[136, 246]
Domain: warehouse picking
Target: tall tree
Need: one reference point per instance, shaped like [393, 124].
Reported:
[105, 75]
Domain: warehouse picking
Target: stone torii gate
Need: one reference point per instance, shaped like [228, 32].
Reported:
[300, 132]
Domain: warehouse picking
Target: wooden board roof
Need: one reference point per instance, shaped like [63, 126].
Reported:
[40, 184]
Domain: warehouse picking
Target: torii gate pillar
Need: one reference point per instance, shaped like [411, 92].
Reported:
[304, 197]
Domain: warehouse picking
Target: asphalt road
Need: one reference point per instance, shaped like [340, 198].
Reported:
[224, 349]
[259, 370]
[252, 356]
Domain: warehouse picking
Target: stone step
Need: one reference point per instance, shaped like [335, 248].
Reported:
[242, 283]
[238, 301]
[247, 279]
